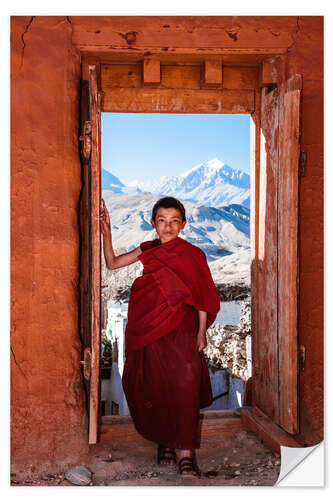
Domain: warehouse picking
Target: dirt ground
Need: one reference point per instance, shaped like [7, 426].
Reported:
[239, 460]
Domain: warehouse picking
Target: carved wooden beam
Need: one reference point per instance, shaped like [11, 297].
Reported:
[151, 100]
[151, 71]
[269, 72]
[212, 73]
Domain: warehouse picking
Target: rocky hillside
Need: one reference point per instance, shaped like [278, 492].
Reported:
[226, 344]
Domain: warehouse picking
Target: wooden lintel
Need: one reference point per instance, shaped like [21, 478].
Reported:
[269, 72]
[146, 100]
[212, 72]
[257, 422]
[178, 77]
[151, 71]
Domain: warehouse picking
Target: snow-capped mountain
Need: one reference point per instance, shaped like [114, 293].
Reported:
[217, 231]
[212, 183]
[111, 182]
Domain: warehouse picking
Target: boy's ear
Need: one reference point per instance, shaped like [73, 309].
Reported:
[152, 222]
[184, 224]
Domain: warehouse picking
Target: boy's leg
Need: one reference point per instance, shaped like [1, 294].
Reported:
[166, 456]
[187, 463]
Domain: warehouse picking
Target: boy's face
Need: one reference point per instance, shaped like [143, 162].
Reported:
[168, 223]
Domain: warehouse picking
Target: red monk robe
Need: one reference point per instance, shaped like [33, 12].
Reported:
[166, 379]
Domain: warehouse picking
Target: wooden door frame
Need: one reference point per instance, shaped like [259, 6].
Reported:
[211, 89]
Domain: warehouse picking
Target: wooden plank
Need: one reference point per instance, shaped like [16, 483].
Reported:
[87, 61]
[243, 78]
[151, 71]
[269, 72]
[210, 427]
[95, 169]
[130, 75]
[219, 427]
[177, 101]
[212, 72]
[182, 77]
[275, 437]
[265, 349]
[182, 31]
[177, 76]
[180, 56]
[255, 130]
[288, 257]
[121, 75]
[127, 419]
[85, 276]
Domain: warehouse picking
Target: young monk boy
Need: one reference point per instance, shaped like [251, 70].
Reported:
[166, 379]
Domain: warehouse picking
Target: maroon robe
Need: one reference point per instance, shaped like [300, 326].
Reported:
[166, 379]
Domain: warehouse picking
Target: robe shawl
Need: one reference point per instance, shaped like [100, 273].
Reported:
[175, 276]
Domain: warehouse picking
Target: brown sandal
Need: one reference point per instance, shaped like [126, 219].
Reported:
[187, 467]
[164, 453]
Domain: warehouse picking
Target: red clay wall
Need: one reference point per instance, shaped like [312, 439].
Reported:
[306, 57]
[48, 419]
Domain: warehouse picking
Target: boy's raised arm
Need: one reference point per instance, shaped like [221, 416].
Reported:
[114, 261]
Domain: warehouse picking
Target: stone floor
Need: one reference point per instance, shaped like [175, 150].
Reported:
[238, 460]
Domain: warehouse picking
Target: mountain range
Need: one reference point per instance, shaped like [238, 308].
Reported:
[212, 183]
[219, 232]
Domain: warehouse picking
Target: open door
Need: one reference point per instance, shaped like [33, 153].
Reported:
[288, 199]
[90, 257]
[275, 349]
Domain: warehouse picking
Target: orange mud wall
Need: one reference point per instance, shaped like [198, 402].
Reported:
[48, 415]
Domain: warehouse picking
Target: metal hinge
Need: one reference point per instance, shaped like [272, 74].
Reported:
[301, 164]
[301, 358]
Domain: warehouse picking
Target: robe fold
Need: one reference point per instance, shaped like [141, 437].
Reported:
[166, 379]
[176, 274]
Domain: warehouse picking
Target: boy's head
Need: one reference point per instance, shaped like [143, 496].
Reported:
[169, 202]
[168, 218]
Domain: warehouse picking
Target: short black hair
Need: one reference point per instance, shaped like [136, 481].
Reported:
[169, 202]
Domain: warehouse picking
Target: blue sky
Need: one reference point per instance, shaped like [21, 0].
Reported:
[146, 146]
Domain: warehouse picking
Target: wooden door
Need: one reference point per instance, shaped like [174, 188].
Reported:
[275, 346]
[289, 154]
[90, 255]
[265, 348]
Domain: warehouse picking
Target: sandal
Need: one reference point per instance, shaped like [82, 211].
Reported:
[187, 467]
[164, 453]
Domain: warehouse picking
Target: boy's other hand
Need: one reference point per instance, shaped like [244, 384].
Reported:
[104, 219]
[201, 340]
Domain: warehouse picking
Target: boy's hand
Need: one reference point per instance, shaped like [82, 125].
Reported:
[104, 219]
[201, 340]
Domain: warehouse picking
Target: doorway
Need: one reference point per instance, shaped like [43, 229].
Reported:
[148, 86]
[145, 157]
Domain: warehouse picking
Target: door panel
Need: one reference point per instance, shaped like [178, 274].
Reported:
[275, 347]
[266, 376]
[90, 269]
[288, 253]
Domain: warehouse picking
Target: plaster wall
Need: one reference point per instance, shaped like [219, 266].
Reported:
[48, 419]
[48, 416]
[305, 56]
